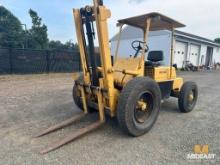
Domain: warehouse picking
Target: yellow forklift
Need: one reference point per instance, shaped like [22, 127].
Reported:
[130, 89]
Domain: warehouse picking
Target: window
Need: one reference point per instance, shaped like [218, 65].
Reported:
[217, 49]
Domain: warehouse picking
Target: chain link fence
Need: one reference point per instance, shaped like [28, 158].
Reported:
[27, 61]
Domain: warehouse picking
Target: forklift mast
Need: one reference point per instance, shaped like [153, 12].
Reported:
[87, 14]
[98, 76]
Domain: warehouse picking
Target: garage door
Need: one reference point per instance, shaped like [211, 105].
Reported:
[180, 53]
[194, 54]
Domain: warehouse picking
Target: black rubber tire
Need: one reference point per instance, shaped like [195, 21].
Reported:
[76, 97]
[183, 102]
[127, 101]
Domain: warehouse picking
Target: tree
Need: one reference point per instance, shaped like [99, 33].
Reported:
[11, 32]
[56, 45]
[38, 38]
[217, 40]
[69, 45]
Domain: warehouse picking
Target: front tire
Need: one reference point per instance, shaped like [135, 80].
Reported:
[77, 96]
[188, 97]
[76, 93]
[138, 106]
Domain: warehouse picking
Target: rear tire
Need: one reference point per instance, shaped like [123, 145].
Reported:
[129, 117]
[188, 97]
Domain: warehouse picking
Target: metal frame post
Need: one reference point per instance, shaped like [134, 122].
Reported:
[171, 52]
[118, 43]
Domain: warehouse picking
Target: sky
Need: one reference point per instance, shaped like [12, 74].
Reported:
[202, 17]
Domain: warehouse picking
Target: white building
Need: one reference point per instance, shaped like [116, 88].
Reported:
[198, 50]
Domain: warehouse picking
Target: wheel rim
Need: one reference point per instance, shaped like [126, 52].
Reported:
[191, 98]
[143, 107]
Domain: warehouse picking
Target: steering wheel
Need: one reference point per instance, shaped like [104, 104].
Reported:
[138, 45]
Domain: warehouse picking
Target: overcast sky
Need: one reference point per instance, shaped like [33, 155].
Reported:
[202, 17]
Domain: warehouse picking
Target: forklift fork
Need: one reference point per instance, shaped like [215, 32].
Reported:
[71, 137]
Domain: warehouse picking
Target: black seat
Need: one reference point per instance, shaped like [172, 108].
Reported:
[154, 58]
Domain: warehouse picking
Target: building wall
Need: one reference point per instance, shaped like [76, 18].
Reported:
[194, 55]
[192, 47]
[180, 53]
[203, 52]
[203, 55]
[216, 55]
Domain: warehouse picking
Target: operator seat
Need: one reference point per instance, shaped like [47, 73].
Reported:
[154, 58]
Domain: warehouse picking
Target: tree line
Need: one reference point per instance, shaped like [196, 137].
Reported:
[14, 34]
[217, 40]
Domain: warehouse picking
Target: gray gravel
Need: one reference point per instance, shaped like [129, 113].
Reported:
[32, 102]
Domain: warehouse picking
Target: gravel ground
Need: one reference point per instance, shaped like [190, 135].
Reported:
[32, 102]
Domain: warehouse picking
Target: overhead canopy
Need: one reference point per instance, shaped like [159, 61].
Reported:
[158, 22]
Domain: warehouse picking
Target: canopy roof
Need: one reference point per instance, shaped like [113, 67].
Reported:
[159, 22]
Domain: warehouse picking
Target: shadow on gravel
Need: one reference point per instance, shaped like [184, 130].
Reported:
[170, 106]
